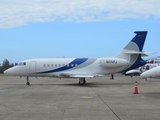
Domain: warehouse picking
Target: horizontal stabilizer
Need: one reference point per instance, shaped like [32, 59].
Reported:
[142, 53]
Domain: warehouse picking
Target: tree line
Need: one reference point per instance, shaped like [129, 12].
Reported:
[5, 65]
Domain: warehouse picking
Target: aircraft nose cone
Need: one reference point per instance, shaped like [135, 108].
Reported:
[6, 71]
[144, 75]
[14, 71]
[148, 74]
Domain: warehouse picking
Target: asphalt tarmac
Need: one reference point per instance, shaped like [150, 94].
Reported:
[64, 99]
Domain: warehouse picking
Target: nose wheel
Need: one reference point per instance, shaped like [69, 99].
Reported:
[27, 83]
[82, 81]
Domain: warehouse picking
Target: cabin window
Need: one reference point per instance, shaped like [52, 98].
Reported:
[68, 65]
[72, 65]
[51, 65]
[55, 65]
[44, 65]
[59, 65]
[48, 65]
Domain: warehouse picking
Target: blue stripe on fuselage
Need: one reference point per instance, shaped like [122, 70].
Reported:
[73, 64]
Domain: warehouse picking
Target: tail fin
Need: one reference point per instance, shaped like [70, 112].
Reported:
[137, 43]
[133, 50]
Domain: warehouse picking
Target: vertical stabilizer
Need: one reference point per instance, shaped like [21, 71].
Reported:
[133, 50]
[137, 43]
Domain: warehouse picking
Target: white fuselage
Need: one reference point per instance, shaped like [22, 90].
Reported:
[152, 73]
[68, 67]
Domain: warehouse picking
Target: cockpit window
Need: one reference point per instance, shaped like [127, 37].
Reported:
[22, 64]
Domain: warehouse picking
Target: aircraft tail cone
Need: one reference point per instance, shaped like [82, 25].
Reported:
[136, 88]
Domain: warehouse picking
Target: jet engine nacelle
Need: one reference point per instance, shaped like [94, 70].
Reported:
[113, 62]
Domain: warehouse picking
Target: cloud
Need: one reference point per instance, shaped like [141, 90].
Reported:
[15, 13]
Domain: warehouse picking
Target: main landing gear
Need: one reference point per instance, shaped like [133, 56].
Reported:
[82, 81]
[27, 83]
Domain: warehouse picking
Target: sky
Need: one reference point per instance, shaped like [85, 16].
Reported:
[75, 28]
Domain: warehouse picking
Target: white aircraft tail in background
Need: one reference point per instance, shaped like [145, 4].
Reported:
[128, 58]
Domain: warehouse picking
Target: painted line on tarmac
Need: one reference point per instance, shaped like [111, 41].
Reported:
[106, 105]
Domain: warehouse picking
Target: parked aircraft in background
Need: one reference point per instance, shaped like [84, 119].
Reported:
[133, 72]
[140, 70]
[128, 58]
[155, 60]
[150, 64]
[152, 74]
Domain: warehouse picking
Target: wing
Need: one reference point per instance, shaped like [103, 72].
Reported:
[81, 75]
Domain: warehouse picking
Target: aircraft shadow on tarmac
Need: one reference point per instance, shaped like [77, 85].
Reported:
[92, 84]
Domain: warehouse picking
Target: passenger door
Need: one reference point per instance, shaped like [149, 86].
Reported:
[32, 67]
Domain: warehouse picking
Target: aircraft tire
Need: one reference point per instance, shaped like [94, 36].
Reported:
[80, 81]
[27, 83]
